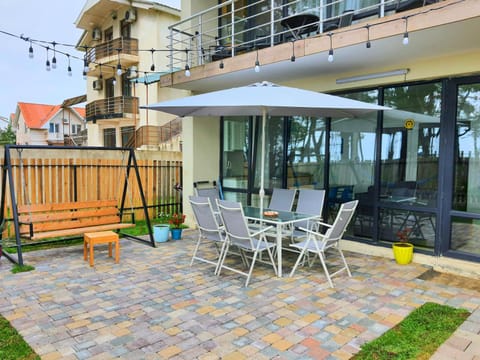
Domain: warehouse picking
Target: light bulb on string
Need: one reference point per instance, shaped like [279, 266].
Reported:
[368, 44]
[84, 75]
[69, 68]
[292, 58]
[330, 51]
[187, 68]
[119, 65]
[257, 64]
[30, 51]
[221, 65]
[152, 68]
[47, 63]
[405, 40]
[54, 59]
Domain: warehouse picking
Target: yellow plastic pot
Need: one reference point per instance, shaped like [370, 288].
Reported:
[403, 253]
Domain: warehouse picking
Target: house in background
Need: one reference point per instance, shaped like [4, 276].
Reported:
[41, 124]
[125, 45]
[418, 57]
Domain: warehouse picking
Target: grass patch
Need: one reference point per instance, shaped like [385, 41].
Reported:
[418, 336]
[23, 268]
[12, 345]
[141, 227]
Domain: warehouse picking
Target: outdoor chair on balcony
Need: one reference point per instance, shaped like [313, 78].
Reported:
[209, 230]
[345, 19]
[242, 237]
[318, 243]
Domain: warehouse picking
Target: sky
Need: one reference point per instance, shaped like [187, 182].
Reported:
[25, 79]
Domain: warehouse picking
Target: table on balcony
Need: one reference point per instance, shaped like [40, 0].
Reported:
[300, 24]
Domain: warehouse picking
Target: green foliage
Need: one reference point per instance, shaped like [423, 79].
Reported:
[12, 345]
[8, 136]
[24, 268]
[418, 336]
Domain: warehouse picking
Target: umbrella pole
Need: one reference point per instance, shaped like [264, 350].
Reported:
[261, 193]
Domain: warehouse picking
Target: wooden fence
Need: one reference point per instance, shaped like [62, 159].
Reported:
[55, 176]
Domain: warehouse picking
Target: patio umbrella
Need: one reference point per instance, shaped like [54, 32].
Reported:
[265, 99]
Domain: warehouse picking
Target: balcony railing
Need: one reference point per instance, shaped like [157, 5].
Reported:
[115, 47]
[112, 108]
[229, 29]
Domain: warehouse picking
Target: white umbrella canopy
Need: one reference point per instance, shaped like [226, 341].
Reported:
[265, 99]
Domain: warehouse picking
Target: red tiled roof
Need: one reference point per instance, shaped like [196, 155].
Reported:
[36, 115]
[81, 111]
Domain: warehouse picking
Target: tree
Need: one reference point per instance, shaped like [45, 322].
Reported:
[7, 136]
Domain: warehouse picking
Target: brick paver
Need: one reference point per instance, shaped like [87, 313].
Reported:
[153, 305]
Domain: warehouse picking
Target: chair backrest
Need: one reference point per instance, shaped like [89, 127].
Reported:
[346, 18]
[205, 217]
[344, 215]
[309, 202]
[234, 221]
[282, 199]
[207, 190]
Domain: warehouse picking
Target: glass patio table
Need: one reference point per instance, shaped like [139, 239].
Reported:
[283, 219]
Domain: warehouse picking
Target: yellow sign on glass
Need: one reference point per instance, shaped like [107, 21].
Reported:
[409, 124]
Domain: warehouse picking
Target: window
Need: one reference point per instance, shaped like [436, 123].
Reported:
[128, 136]
[109, 137]
[76, 129]
[54, 128]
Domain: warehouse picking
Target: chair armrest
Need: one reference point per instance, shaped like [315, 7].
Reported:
[262, 230]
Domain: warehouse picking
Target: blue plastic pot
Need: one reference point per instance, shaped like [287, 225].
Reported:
[160, 232]
[176, 234]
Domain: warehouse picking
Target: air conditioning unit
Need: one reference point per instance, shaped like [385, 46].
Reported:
[132, 72]
[97, 34]
[130, 15]
[97, 85]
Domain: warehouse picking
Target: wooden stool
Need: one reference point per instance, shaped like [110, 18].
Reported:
[101, 237]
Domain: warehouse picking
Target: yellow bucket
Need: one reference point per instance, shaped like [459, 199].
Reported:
[403, 253]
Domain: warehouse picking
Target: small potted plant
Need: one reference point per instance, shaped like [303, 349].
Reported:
[160, 231]
[177, 225]
[403, 250]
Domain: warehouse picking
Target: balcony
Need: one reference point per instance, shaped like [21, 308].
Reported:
[110, 53]
[210, 37]
[112, 108]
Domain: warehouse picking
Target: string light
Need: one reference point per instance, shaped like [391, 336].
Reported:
[368, 44]
[30, 50]
[47, 63]
[187, 68]
[100, 77]
[119, 65]
[292, 58]
[257, 64]
[330, 52]
[86, 69]
[405, 40]
[152, 68]
[54, 59]
[69, 68]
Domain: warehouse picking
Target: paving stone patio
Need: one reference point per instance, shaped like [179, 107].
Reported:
[153, 305]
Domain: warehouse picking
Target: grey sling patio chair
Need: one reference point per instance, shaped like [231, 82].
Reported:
[241, 236]
[282, 199]
[309, 202]
[210, 190]
[208, 230]
[318, 243]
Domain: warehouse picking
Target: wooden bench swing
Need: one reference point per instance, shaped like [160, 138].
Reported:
[39, 223]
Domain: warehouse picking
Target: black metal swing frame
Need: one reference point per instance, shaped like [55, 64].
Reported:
[7, 174]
